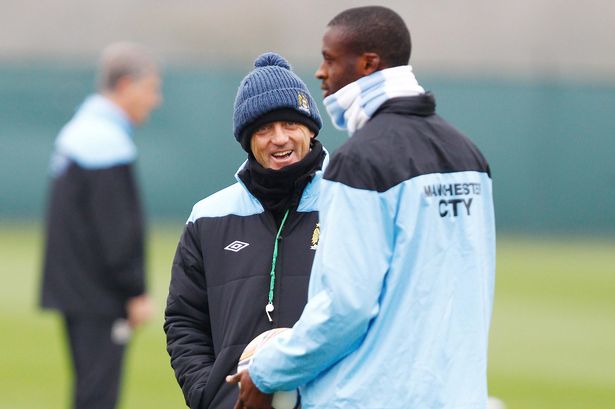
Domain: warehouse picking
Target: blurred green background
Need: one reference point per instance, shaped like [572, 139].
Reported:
[534, 90]
[550, 144]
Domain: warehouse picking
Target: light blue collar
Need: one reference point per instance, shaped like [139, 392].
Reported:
[309, 198]
[102, 107]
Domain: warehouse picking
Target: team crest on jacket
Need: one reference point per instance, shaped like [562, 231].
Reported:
[303, 102]
[315, 237]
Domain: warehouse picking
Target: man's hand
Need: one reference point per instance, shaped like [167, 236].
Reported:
[250, 397]
[140, 310]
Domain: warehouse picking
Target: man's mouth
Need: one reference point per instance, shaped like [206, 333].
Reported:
[282, 155]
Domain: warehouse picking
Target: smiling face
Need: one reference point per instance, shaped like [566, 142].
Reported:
[340, 65]
[278, 144]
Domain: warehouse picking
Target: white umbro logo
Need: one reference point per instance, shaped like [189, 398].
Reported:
[236, 246]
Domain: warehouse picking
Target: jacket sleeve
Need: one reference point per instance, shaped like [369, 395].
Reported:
[118, 224]
[349, 268]
[187, 323]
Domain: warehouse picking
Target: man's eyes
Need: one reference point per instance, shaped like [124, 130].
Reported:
[263, 128]
[268, 127]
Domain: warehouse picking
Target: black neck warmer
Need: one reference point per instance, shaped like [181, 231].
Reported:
[279, 190]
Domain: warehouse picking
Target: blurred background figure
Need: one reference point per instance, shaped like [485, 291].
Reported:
[93, 270]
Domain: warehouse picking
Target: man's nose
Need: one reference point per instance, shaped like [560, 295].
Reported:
[320, 73]
[279, 137]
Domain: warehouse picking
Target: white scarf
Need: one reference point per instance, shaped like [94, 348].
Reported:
[353, 105]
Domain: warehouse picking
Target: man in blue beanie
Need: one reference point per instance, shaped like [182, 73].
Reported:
[243, 262]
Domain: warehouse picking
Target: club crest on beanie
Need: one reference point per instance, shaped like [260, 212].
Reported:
[270, 92]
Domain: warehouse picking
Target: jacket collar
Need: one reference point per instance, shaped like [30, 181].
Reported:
[101, 106]
[309, 197]
[420, 105]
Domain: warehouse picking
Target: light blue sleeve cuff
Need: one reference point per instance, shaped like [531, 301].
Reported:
[259, 381]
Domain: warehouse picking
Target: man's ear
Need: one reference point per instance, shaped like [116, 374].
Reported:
[370, 62]
[122, 83]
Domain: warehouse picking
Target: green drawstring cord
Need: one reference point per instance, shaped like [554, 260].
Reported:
[269, 306]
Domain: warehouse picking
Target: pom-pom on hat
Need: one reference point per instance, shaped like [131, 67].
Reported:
[272, 92]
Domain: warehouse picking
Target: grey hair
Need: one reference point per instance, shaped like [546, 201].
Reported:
[123, 59]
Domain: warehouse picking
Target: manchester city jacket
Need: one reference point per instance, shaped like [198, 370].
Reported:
[401, 290]
[94, 253]
[220, 284]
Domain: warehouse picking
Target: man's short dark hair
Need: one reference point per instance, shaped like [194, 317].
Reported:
[376, 29]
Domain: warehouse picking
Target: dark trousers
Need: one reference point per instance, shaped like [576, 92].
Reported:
[97, 362]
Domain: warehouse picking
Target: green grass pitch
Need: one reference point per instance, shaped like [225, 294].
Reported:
[552, 335]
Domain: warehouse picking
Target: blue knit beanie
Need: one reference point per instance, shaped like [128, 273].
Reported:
[272, 92]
